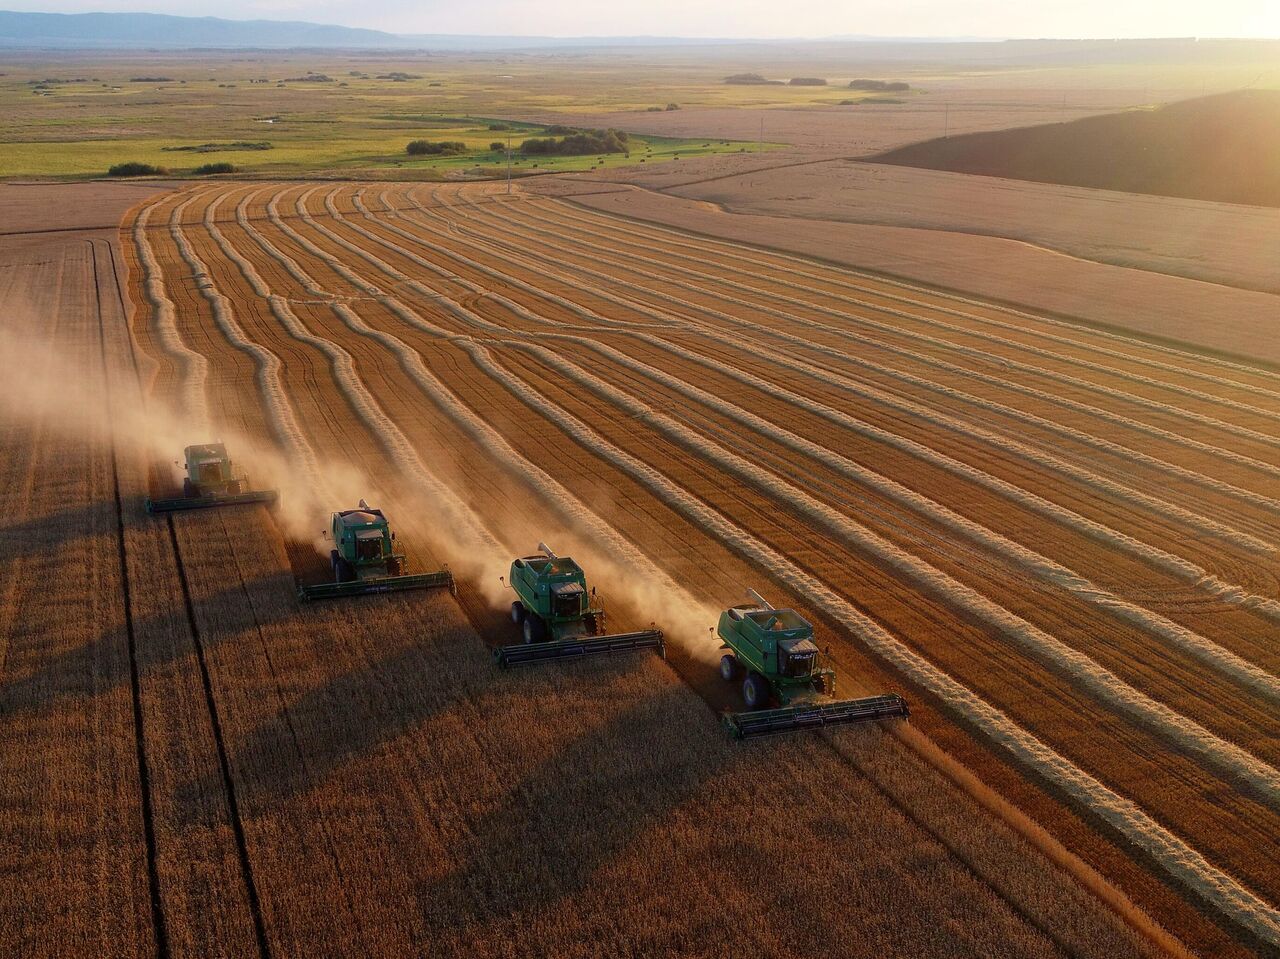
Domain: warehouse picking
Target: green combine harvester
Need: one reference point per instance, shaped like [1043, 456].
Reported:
[558, 615]
[783, 686]
[365, 559]
[211, 480]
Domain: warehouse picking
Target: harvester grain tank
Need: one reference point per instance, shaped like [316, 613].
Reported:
[211, 480]
[772, 651]
[365, 559]
[559, 617]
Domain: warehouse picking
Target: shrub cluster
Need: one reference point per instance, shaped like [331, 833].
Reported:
[435, 148]
[878, 85]
[136, 169]
[214, 168]
[578, 144]
[218, 147]
[750, 79]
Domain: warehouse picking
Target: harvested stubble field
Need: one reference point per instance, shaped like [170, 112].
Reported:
[1059, 543]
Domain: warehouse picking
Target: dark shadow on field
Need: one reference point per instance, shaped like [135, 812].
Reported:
[96, 666]
[59, 529]
[345, 719]
[577, 812]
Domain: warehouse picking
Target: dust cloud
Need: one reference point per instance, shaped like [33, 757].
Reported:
[477, 549]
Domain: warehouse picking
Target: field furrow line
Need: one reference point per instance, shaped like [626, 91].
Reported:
[525, 216]
[454, 514]
[1194, 644]
[1183, 568]
[284, 423]
[1198, 646]
[707, 285]
[402, 278]
[681, 240]
[1172, 853]
[1271, 505]
[193, 366]
[1042, 567]
[1080, 668]
[594, 528]
[1008, 444]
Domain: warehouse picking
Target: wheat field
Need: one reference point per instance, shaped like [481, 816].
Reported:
[1058, 542]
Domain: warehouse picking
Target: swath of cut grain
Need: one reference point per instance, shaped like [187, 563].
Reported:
[1031, 454]
[916, 356]
[616, 239]
[1197, 645]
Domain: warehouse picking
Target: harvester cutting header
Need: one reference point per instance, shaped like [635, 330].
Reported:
[365, 559]
[559, 617]
[211, 480]
[783, 685]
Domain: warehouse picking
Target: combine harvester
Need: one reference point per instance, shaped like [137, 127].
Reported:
[776, 651]
[555, 612]
[365, 560]
[211, 480]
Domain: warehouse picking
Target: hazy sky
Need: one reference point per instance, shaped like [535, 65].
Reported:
[739, 18]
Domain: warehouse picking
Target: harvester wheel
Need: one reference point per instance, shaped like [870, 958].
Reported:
[755, 691]
[533, 629]
[728, 667]
[342, 571]
[393, 566]
[517, 612]
[188, 490]
[233, 488]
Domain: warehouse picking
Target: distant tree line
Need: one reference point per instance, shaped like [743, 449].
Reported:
[808, 82]
[218, 147]
[435, 148]
[214, 168]
[880, 86]
[751, 79]
[136, 169]
[578, 143]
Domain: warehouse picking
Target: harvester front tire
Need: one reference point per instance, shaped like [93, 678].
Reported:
[755, 691]
[533, 629]
[517, 612]
[342, 571]
[728, 667]
[188, 491]
[233, 489]
[393, 566]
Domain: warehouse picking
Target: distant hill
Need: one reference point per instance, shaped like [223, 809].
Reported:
[1224, 148]
[151, 31]
[118, 30]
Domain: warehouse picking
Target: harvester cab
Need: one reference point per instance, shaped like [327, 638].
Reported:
[559, 617]
[784, 684]
[366, 559]
[211, 480]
